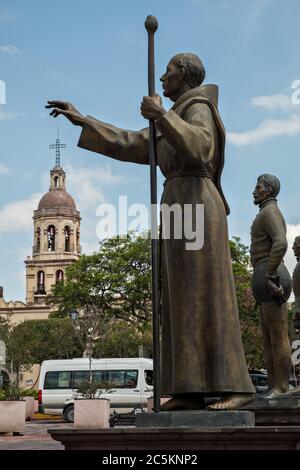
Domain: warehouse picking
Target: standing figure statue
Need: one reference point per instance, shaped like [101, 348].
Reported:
[271, 282]
[202, 353]
[296, 284]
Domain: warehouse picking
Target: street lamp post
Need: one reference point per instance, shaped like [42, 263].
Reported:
[74, 314]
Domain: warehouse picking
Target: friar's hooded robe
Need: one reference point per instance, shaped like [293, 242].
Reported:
[201, 345]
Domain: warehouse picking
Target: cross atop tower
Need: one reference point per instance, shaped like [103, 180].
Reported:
[57, 146]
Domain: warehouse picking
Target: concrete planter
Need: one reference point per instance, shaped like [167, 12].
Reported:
[29, 408]
[12, 416]
[36, 406]
[91, 414]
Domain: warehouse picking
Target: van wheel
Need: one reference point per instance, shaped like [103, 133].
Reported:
[69, 414]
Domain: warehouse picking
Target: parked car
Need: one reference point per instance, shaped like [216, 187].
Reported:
[259, 380]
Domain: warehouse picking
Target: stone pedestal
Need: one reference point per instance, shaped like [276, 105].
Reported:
[150, 402]
[279, 403]
[280, 411]
[195, 418]
[247, 438]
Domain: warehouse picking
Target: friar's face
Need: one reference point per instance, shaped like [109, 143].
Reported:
[261, 192]
[172, 81]
[296, 246]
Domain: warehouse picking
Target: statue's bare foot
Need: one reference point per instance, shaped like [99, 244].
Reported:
[183, 403]
[231, 402]
[274, 393]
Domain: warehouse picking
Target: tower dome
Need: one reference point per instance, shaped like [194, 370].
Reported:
[57, 198]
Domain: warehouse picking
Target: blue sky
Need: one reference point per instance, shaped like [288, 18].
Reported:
[94, 54]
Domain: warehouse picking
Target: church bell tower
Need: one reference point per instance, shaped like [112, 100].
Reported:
[56, 237]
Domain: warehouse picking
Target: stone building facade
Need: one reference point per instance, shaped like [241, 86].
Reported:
[56, 245]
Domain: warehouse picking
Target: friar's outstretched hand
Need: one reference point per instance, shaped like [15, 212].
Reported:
[67, 110]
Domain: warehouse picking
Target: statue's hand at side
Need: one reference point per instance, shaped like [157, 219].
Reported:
[274, 288]
[67, 110]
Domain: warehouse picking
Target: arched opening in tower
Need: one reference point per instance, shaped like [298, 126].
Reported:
[51, 237]
[67, 238]
[59, 276]
[41, 282]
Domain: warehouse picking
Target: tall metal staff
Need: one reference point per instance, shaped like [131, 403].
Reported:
[151, 25]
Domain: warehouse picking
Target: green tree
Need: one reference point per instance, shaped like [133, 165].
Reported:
[113, 283]
[34, 341]
[249, 314]
[123, 339]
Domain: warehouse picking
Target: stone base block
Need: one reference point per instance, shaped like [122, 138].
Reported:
[195, 418]
[279, 403]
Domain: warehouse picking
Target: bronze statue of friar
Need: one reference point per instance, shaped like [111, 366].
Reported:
[202, 352]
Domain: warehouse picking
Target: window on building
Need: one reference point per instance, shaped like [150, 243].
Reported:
[41, 282]
[56, 181]
[77, 241]
[67, 238]
[59, 276]
[38, 240]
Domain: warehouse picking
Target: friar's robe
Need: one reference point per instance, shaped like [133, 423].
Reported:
[201, 345]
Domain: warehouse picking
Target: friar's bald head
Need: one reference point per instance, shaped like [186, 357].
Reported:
[192, 66]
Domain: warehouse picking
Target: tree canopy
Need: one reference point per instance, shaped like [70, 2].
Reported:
[114, 283]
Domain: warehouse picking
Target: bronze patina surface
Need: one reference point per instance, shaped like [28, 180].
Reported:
[271, 283]
[202, 352]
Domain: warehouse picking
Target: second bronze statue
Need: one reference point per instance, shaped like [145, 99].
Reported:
[271, 283]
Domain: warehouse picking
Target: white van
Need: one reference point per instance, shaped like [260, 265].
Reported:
[132, 381]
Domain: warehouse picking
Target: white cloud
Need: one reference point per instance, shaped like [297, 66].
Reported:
[85, 184]
[20, 277]
[5, 116]
[293, 231]
[12, 50]
[266, 129]
[3, 169]
[17, 216]
[273, 102]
